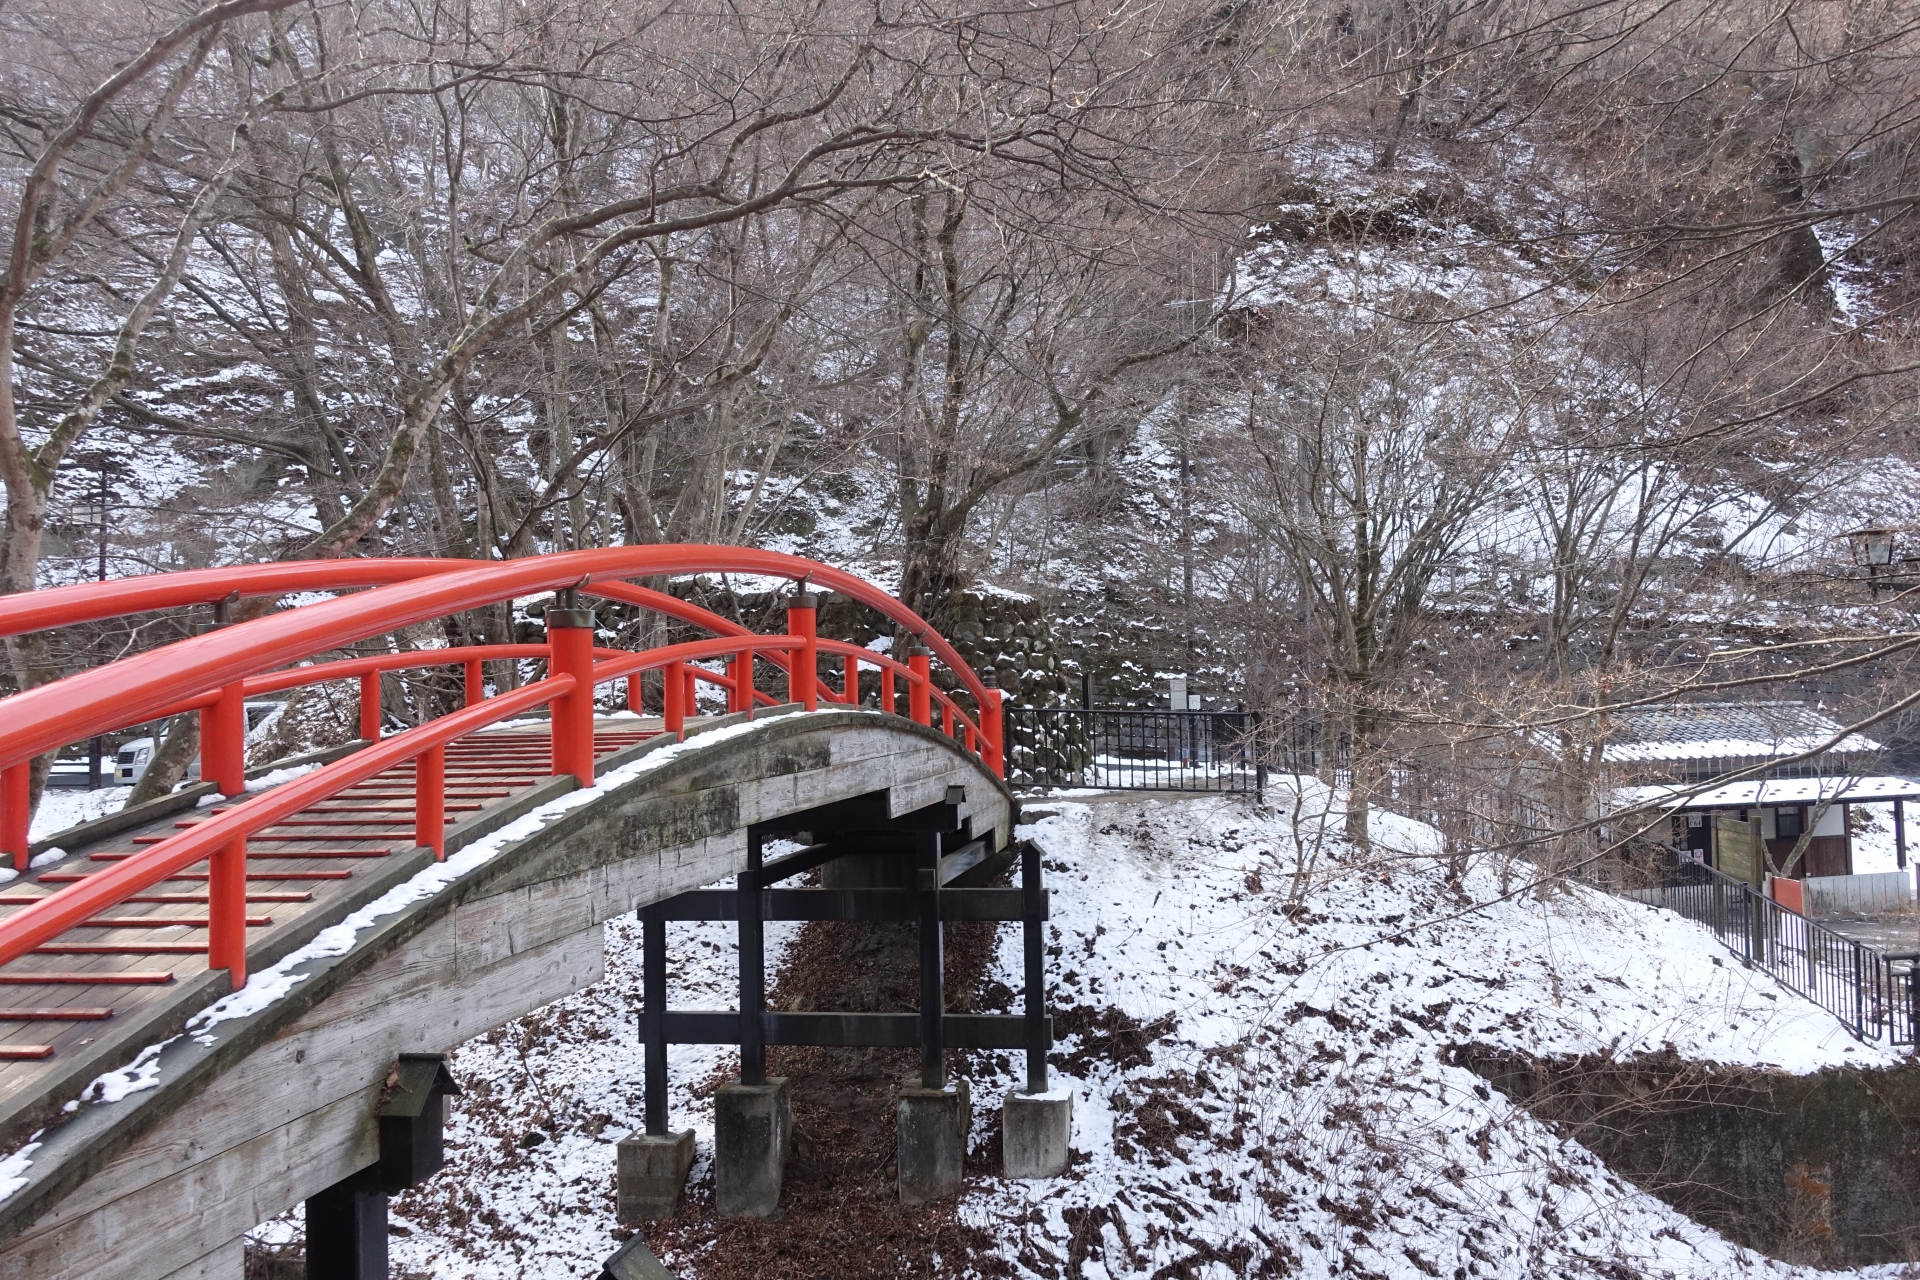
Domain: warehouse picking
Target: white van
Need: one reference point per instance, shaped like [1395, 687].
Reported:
[133, 759]
[135, 756]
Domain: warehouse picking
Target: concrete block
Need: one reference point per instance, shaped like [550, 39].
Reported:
[652, 1173]
[752, 1131]
[634, 1261]
[1036, 1130]
[932, 1140]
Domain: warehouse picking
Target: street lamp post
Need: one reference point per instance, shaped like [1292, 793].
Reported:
[1872, 549]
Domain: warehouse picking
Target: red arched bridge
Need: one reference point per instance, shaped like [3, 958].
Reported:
[230, 1000]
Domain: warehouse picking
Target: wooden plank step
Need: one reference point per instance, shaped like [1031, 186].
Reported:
[150, 841]
[288, 854]
[20, 900]
[464, 795]
[68, 877]
[370, 808]
[121, 949]
[125, 978]
[406, 821]
[162, 922]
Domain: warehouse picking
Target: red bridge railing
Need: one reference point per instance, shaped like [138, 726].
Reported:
[213, 674]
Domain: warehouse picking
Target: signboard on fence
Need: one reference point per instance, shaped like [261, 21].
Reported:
[1738, 850]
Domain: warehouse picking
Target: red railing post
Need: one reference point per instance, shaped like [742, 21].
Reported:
[740, 681]
[992, 745]
[430, 801]
[227, 910]
[850, 682]
[476, 683]
[690, 699]
[920, 691]
[570, 645]
[888, 702]
[803, 664]
[636, 695]
[673, 699]
[223, 741]
[946, 718]
[370, 714]
[16, 810]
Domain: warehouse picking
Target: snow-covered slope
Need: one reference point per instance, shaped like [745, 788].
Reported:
[1256, 1093]
[1298, 1113]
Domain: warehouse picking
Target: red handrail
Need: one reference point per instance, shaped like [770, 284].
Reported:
[92, 601]
[60, 911]
[138, 687]
[214, 672]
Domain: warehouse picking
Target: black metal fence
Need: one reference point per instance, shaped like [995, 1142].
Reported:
[1874, 994]
[1135, 750]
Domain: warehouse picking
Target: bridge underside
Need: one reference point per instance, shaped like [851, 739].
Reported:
[259, 1112]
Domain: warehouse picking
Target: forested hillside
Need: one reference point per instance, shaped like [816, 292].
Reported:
[1396, 357]
[1437, 381]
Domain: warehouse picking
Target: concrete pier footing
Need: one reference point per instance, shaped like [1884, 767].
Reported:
[1036, 1133]
[752, 1132]
[932, 1140]
[652, 1174]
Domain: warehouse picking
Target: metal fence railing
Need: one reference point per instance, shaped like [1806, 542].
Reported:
[1125, 749]
[1874, 994]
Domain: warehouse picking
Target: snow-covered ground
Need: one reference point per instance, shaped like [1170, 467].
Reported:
[1301, 1107]
[1297, 1104]
[61, 808]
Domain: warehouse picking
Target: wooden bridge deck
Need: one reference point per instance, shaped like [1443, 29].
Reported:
[56, 1003]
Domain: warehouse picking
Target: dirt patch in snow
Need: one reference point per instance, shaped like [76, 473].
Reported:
[1105, 1035]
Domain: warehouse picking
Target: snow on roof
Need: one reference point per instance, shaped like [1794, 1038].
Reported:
[1766, 792]
[1720, 730]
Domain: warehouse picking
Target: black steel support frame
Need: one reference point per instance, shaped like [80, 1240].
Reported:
[753, 969]
[1039, 1031]
[347, 1222]
[929, 904]
[347, 1232]
[932, 937]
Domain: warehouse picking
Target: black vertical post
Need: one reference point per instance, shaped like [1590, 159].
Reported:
[1751, 900]
[1900, 832]
[653, 1010]
[1031, 925]
[753, 969]
[96, 748]
[1259, 759]
[933, 999]
[347, 1232]
[1086, 690]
